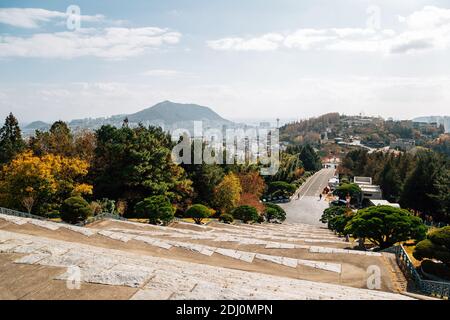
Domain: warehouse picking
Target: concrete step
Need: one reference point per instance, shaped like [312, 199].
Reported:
[160, 278]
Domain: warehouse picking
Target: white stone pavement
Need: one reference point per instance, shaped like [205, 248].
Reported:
[160, 278]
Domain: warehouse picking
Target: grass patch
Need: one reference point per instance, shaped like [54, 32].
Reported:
[190, 220]
[138, 220]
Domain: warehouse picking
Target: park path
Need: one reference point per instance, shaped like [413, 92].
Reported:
[305, 206]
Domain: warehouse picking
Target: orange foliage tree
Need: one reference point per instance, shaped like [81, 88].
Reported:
[48, 179]
[253, 186]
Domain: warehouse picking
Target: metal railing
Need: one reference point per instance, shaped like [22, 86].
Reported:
[434, 224]
[105, 215]
[433, 288]
[16, 213]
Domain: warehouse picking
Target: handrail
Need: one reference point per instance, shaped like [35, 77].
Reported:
[429, 287]
[101, 216]
[11, 212]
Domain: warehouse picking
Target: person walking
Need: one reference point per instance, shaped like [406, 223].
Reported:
[320, 197]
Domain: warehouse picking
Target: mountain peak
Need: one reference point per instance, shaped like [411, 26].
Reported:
[171, 112]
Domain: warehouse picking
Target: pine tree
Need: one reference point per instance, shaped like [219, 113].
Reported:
[420, 185]
[390, 183]
[310, 159]
[11, 142]
[442, 195]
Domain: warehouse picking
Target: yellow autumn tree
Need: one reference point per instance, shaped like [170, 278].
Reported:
[40, 183]
[227, 193]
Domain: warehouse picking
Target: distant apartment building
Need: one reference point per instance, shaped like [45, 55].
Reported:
[403, 144]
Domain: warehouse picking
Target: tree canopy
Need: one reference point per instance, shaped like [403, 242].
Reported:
[48, 179]
[157, 209]
[198, 212]
[246, 213]
[228, 193]
[385, 225]
[11, 142]
[435, 246]
[75, 209]
[132, 163]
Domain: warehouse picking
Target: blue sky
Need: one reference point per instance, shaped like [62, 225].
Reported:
[245, 59]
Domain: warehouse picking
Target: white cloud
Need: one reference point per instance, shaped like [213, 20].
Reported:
[110, 43]
[162, 73]
[426, 29]
[32, 17]
[428, 18]
[267, 42]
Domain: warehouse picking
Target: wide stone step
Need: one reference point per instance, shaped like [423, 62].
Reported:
[161, 278]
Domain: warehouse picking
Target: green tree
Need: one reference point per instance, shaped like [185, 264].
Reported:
[420, 186]
[281, 187]
[435, 246]
[157, 209]
[205, 177]
[11, 142]
[245, 213]
[274, 212]
[390, 183]
[385, 225]
[442, 195]
[58, 140]
[226, 218]
[290, 168]
[310, 159]
[132, 163]
[198, 212]
[336, 218]
[351, 189]
[75, 209]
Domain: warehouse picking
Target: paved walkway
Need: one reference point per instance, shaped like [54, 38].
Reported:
[305, 206]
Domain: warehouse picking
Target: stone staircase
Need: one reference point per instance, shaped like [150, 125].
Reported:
[287, 261]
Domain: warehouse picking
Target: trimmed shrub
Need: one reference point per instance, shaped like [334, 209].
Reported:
[198, 212]
[351, 189]
[226, 218]
[436, 246]
[274, 212]
[336, 217]
[281, 188]
[245, 213]
[75, 209]
[385, 226]
[157, 209]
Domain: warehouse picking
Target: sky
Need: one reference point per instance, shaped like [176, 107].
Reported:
[246, 59]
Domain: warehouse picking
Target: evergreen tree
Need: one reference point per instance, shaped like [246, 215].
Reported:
[11, 142]
[310, 159]
[421, 184]
[58, 140]
[390, 183]
[442, 185]
[134, 163]
[205, 178]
